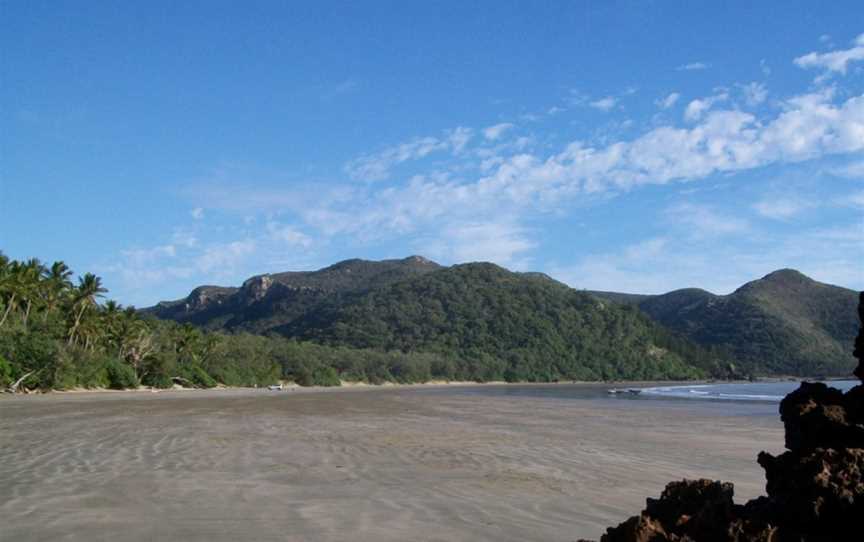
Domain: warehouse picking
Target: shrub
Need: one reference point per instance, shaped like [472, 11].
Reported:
[199, 377]
[120, 375]
[5, 372]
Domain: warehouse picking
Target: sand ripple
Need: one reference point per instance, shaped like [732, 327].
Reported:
[354, 465]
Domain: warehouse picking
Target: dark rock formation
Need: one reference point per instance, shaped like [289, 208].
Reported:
[815, 490]
[818, 416]
[859, 340]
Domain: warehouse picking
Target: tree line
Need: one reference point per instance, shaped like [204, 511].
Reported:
[60, 333]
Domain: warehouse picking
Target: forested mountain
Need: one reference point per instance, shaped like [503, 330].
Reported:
[267, 301]
[535, 327]
[516, 326]
[488, 322]
[783, 323]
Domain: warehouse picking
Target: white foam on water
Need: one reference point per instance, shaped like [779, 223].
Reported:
[759, 391]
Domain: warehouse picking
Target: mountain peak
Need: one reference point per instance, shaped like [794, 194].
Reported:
[414, 258]
[787, 275]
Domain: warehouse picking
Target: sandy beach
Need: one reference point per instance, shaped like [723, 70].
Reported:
[358, 464]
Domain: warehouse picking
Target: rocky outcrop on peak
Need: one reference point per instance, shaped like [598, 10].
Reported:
[256, 288]
[815, 490]
[266, 302]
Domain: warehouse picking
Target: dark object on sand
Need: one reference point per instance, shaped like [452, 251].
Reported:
[815, 489]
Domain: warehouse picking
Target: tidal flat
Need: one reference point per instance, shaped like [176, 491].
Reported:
[389, 464]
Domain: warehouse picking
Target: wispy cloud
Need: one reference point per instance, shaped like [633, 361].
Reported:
[500, 241]
[834, 61]
[376, 167]
[604, 104]
[451, 207]
[224, 256]
[781, 208]
[693, 66]
[701, 221]
[852, 170]
[658, 264]
[855, 199]
[668, 101]
[343, 87]
[696, 108]
[496, 131]
[288, 235]
[754, 93]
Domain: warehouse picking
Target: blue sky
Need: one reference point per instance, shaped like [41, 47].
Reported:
[630, 146]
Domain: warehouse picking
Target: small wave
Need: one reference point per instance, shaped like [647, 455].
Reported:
[755, 391]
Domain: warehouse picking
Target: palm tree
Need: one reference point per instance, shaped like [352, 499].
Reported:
[11, 286]
[56, 288]
[30, 278]
[89, 288]
[132, 339]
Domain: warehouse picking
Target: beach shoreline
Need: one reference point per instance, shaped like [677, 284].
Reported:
[398, 464]
[355, 385]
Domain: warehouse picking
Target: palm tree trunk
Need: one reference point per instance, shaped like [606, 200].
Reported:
[77, 322]
[14, 387]
[27, 312]
[8, 309]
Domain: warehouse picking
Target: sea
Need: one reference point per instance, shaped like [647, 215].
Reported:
[736, 391]
[761, 392]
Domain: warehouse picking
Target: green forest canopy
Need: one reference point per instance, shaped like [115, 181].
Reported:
[474, 322]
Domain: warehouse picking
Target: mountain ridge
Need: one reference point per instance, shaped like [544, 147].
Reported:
[782, 323]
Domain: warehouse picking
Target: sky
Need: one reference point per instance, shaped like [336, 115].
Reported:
[633, 146]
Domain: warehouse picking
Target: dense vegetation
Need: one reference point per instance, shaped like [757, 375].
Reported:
[58, 335]
[782, 324]
[265, 302]
[474, 322]
[500, 325]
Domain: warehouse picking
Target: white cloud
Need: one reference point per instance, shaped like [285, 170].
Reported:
[376, 167]
[809, 126]
[853, 170]
[604, 104]
[668, 101]
[696, 108]
[144, 256]
[754, 93]
[288, 235]
[512, 180]
[343, 87]
[223, 257]
[458, 138]
[855, 199]
[184, 238]
[693, 66]
[781, 208]
[834, 61]
[699, 221]
[494, 132]
[497, 241]
[658, 265]
[197, 213]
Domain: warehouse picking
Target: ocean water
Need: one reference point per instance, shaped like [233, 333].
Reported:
[737, 391]
[718, 394]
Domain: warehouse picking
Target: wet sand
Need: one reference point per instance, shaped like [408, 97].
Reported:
[357, 464]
